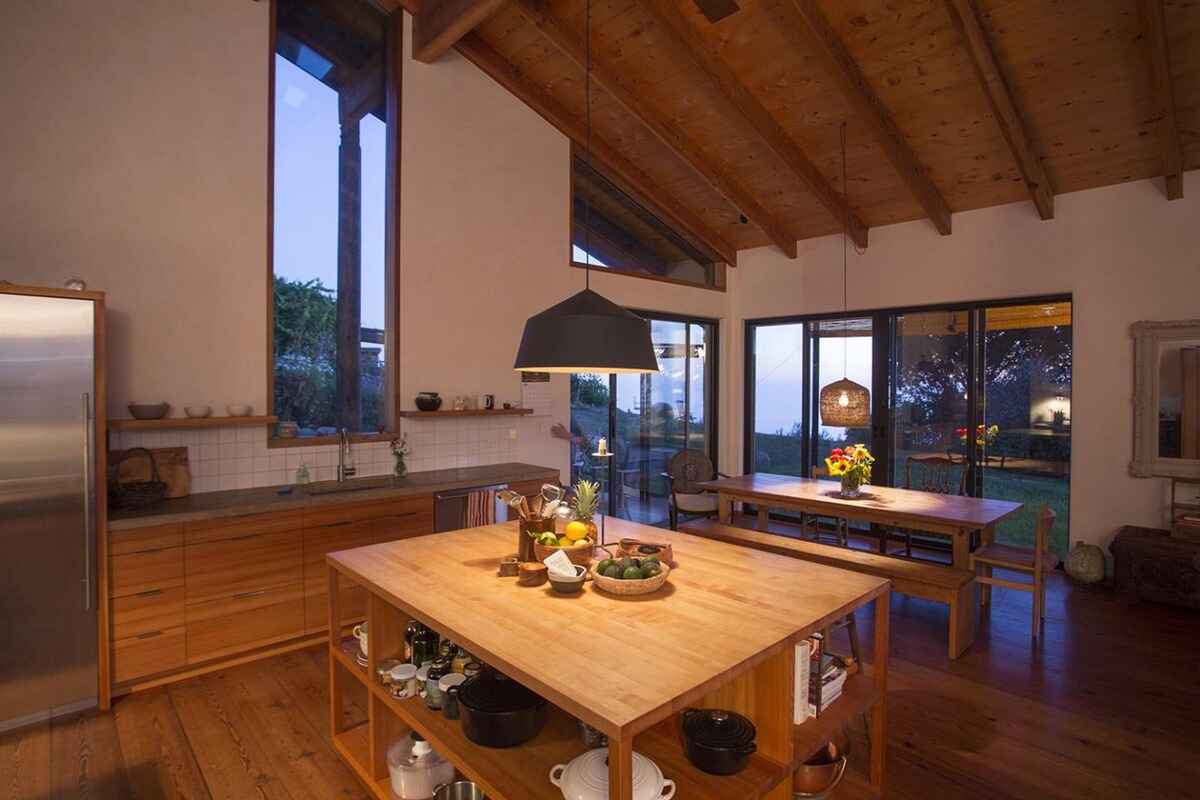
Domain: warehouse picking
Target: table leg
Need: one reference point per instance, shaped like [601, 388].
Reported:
[986, 536]
[764, 517]
[962, 550]
[879, 710]
[725, 508]
[620, 769]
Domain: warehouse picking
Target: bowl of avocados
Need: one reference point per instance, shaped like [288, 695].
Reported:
[629, 576]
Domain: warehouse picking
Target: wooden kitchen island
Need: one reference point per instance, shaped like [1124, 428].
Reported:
[720, 634]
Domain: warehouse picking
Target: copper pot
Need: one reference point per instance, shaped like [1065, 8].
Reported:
[819, 776]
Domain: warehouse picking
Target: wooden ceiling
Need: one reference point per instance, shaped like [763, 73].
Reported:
[731, 129]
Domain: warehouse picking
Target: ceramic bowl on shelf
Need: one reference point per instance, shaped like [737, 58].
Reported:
[148, 410]
[197, 412]
[238, 410]
[428, 401]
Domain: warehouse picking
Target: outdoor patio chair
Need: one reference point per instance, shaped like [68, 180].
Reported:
[685, 470]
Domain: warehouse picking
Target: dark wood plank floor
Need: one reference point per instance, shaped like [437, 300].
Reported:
[1107, 706]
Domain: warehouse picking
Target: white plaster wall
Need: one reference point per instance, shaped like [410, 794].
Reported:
[1123, 252]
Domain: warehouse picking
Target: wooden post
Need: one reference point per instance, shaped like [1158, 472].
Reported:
[348, 407]
[725, 507]
[879, 710]
[336, 716]
[620, 768]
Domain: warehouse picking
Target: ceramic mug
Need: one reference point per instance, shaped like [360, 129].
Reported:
[360, 633]
[487, 401]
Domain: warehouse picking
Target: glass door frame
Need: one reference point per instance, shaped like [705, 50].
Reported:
[711, 414]
[883, 378]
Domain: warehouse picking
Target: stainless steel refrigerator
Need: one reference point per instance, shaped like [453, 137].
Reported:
[47, 506]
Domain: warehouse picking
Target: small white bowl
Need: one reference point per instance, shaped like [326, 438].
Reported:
[237, 410]
[197, 412]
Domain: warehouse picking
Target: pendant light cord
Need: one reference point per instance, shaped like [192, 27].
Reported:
[845, 230]
[587, 146]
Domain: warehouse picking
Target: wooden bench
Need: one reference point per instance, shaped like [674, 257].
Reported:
[955, 587]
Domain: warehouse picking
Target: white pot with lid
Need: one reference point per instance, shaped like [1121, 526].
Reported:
[586, 778]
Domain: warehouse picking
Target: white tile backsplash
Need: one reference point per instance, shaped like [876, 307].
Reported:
[238, 457]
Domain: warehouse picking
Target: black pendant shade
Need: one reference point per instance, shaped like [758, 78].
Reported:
[586, 333]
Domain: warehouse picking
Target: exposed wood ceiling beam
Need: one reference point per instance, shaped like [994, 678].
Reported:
[1154, 33]
[1012, 125]
[711, 64]
[669, 133]
[805, 25]
[441, 23]
[478, 52]
[362, 92]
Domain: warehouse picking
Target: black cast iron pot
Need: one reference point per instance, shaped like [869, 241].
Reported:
[718, 742]
[499, 712]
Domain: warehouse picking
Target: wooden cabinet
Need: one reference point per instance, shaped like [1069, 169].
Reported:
[146, 589]
[196, 594]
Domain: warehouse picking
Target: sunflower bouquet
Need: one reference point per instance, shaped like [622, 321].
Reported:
[852, 465]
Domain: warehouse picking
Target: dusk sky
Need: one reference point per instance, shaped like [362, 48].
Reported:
[306, 197]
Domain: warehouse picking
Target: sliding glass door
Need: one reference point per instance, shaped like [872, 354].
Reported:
[977, 392]
[647, 418]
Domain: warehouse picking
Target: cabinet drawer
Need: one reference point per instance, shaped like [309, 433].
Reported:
[355, 512]
[152, 610]
[145, 571]
[149, 653]
[327, 539]
[247, 564]
[139, 540]
[234, 527]
[243, 622]
[403, 526]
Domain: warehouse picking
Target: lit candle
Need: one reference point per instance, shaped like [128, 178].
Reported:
[602, 448]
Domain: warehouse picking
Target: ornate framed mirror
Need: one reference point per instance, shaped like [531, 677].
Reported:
[1166, 399]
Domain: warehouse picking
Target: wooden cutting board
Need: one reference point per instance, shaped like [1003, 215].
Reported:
[173, 469]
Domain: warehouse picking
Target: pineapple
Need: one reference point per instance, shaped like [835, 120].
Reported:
[587, 497]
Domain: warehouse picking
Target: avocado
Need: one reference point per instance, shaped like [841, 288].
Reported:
[651, 568]
[613, 571]
[632, 574]
[604, 565]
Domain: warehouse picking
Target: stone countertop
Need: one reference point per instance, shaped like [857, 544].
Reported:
[238, 502]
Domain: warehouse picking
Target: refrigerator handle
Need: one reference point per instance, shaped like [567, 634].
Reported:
[87, 502]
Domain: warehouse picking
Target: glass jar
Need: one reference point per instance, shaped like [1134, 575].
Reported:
[433, 679]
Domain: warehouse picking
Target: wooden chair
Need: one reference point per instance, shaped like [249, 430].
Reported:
[841, 529]
[936, 474]
[1036, 562]
[685, 470]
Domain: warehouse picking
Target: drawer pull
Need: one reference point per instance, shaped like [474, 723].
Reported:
[243, 537]
[149, 593]
[339, 524]
[149, 635]
[147, 550]
[248, 595]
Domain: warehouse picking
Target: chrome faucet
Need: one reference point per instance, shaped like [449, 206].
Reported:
[345, 457]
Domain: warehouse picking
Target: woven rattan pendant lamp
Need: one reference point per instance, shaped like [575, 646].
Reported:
[586, 332]
[844, 403]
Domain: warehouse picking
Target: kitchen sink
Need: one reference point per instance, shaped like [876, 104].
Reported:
[352, 485]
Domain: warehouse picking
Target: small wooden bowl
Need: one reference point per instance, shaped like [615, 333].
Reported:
[580, 554]
[623, 588]
[533, 573]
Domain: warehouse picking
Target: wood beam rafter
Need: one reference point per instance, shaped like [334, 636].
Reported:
[966, 18]
[1154, 34]
[713, 66]
[804, 24]
[362, 92]
[439, 24]
[479, 53]
[663, 129]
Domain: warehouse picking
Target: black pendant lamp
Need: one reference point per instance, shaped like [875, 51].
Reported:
[586, 332]
[844, 403]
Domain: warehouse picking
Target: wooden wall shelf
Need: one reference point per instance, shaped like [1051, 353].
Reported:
[169, 423]
[472, 412]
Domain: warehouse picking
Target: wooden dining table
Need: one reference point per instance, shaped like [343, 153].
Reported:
[954, 516]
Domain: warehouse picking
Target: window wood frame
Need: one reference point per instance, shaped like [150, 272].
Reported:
[393, 94]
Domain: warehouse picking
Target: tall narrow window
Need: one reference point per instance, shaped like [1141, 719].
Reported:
[333, 358]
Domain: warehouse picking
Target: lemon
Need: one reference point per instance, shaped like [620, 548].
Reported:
[563, 541]
[576, 530]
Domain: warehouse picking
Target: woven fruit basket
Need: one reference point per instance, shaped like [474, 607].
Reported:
[624, 588]
[580, 554]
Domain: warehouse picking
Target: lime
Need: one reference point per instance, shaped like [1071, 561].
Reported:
[632, 574]
[548, 539]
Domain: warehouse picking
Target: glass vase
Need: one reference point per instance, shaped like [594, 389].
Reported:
[400, 469]
[851, 486]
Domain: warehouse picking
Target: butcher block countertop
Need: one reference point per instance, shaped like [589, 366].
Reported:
[239, 502]
[620, 664]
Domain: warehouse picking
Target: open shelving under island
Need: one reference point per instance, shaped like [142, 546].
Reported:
[720, 634]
